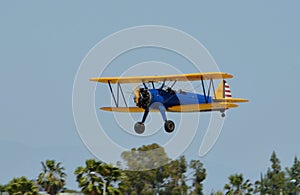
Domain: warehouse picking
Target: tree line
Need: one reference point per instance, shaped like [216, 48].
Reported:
[148, 171]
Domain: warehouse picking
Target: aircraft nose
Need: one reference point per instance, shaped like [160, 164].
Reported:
[136, 95]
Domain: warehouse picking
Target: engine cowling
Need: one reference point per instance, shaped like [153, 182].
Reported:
[142, 98]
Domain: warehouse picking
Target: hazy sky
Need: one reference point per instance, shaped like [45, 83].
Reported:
[42, 44]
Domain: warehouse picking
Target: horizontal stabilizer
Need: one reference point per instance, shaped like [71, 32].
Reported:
[202, 107]
[233, 100]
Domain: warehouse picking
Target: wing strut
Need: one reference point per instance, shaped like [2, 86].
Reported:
[173, 84]
[152, 85]
[145, 85]
[211, 85]
[163, 84]
[112, 94]
[204, 92]
[119, 89]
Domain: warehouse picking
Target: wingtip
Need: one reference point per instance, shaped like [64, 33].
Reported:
[93, 79]
[229, 75]
[106, 108]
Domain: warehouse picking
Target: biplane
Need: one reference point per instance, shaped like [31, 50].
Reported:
[149, 98]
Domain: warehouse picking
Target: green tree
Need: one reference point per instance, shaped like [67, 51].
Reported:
[247, 187]
[52, 178]
[217, 193]
[87, 179]
[112, 176]
[22, 186]
[274, 182]
[176, 184]
[147, 169]
[2, 188]
[147, 157]
[260, 185]
[199, 175]
[275, 176]
[97, 177]
[234, 186]
[134, 182]
[293, 180]
[237, 185]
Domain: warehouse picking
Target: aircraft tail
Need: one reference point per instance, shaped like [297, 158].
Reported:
[223, 90]
[223, 94]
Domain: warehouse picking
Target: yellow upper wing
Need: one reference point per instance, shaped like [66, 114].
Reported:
[178, 77]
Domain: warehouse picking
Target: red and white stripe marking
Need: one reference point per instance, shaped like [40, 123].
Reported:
[227, 92]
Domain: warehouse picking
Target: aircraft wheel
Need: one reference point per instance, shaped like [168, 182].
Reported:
[169, 126]
[223, 114]
[139, 127]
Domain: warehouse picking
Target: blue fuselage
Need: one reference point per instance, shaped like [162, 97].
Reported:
[172, 98]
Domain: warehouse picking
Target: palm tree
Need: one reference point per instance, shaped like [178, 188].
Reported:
[87, 179]
[237, 186]
[111, 175]
[97, 177]
[52, 179]
[22, 186]
[2, 189]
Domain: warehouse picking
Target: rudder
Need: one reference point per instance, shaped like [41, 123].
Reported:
[223, 91]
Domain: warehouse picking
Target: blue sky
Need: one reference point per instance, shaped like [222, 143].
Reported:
[42, 44]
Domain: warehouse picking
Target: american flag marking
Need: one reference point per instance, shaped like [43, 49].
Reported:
[227, 90]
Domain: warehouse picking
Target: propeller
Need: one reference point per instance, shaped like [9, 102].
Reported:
[142, 98]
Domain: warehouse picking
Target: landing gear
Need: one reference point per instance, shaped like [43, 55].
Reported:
[139, 127]
[223, 113]
[169, 126]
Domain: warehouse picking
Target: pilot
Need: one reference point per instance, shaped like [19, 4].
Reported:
[170, 90]
[181, 91]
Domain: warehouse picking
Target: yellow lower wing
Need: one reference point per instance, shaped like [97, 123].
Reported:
[126, 109]
[202, 107]
[179, 108]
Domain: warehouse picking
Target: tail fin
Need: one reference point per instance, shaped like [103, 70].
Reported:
[223, 94]
[223, 91]
[227, 90]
